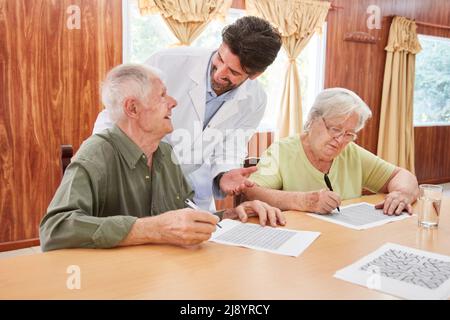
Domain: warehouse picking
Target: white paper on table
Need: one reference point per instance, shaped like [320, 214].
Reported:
[359, 216]
[254, 236]
[402, 271]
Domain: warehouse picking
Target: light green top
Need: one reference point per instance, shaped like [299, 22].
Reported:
[284, 166]
[107, 186]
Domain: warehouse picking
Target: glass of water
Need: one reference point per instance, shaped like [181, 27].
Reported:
[429, 205]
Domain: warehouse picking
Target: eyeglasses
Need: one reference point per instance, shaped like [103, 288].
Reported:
[335, 132]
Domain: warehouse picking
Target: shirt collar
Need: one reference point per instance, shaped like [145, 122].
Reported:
[129, 149]
[209, 89]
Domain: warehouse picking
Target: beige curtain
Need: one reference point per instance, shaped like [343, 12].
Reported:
[186, 18]
[297, 20]
[396, 135]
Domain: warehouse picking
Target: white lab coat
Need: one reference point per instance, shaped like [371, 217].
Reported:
[201, 153]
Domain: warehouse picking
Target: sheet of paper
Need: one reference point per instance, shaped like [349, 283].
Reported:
[359, 216]
[403, 272]
[276, 240]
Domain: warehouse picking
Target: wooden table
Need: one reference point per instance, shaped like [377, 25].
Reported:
[214, 271]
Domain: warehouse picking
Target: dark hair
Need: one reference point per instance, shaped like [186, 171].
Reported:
[254, 40]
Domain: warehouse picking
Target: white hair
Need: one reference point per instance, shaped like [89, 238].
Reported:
[335, 102]
[126, 81]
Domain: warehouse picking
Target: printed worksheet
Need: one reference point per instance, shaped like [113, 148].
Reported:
[403, 272]
[359, 216]
[254, 236]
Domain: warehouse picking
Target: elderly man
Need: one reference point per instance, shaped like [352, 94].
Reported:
[220, 105]
[124, 187]
[293, 173]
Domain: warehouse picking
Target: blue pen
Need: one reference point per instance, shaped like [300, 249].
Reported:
[195, 207]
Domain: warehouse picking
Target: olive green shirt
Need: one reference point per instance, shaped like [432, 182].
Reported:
[107, 186]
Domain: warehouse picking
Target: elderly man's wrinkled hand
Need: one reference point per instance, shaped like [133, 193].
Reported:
[267, 214]
[395, 203]
[186, 226]
[323, 201]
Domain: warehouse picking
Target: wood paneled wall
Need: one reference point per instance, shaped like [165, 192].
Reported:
[432, 154]
[49, 95]
[360, 67]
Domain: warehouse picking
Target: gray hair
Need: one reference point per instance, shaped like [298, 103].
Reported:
[335, 102]
[126, 81]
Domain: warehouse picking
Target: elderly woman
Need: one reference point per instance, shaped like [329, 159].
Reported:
[292, 173]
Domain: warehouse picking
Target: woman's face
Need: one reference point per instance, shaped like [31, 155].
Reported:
[329, 136]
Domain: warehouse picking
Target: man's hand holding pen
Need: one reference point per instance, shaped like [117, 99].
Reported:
[192, 205]
[180, 227]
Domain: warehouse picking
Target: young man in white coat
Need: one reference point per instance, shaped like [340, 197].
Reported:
[219, 108]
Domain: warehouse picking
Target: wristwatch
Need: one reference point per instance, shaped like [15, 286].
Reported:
[217, 179]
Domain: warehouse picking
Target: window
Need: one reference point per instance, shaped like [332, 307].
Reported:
[145, 35]
[432, 82]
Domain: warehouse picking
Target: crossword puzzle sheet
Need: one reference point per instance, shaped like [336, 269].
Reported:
[403, 272]
[253, 236]
[359, 216]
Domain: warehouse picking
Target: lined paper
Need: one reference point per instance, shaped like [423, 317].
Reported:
[359, 216]
[253, 236]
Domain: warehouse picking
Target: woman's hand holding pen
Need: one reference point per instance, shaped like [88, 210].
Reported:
[323, 201]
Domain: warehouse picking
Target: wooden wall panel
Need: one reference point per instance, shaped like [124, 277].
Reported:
[432, 154]
[50, 78]
[238, 4]
[353, 65]
[360, 66]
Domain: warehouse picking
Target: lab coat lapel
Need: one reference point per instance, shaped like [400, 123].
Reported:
[197, 91]
[230, 108]
[197, 94]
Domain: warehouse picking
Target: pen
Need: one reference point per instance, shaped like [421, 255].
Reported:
[328, 183]
[195, 207]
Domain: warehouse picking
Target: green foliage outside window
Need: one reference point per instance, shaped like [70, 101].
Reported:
[432, 82]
